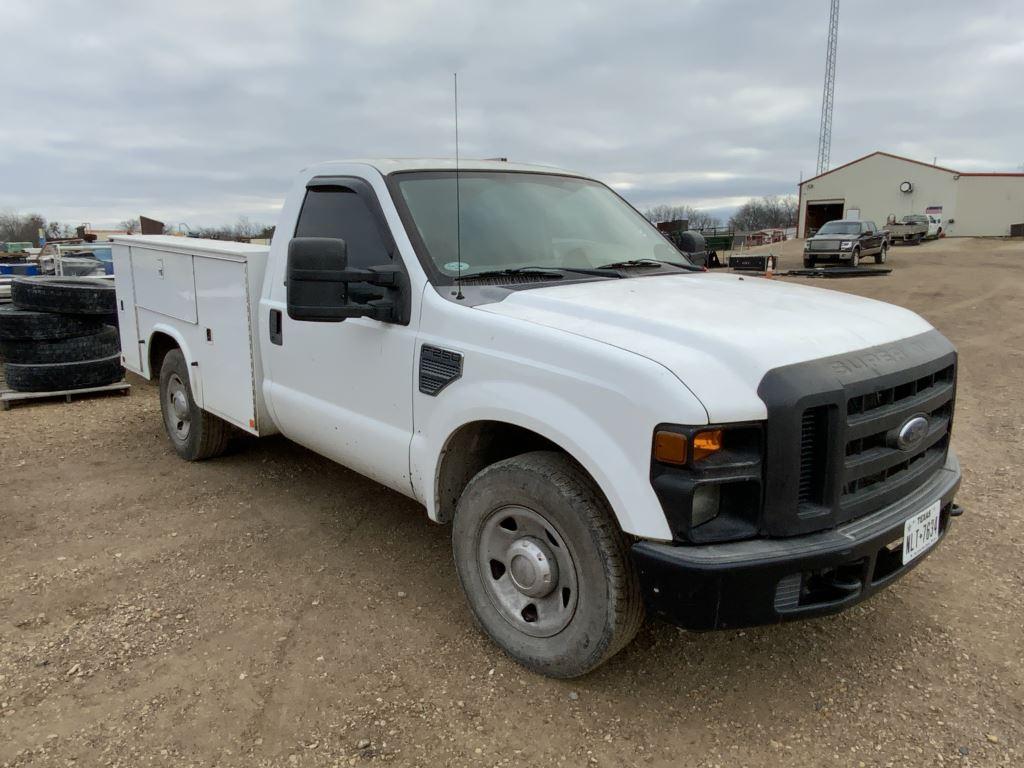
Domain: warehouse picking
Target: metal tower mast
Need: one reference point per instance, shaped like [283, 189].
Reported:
[828, 92]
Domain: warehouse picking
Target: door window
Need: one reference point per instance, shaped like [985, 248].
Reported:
[340, 212]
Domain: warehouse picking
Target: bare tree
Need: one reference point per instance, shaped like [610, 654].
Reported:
[697, 218]
[769, 212]
[20, 228]
[131, 226]
[242, 230]
[56, 230]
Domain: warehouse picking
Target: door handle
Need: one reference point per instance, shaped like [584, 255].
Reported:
[276, 327]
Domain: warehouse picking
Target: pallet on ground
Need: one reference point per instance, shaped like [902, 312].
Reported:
[8, 397]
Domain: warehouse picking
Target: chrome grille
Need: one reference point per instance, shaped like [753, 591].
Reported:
[824, 245]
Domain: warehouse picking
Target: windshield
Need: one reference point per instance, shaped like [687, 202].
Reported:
[514, 220]
[840, 228]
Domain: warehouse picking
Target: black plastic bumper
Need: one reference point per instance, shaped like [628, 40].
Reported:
[829, 255]
[766, 581]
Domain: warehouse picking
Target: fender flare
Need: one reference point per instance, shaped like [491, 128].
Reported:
[194, 375]
[630, 497]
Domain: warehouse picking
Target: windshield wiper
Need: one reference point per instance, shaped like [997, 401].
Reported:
[645, 263]
[511, 271]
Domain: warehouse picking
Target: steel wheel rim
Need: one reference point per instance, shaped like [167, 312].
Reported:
[527, 570]
[177, 412]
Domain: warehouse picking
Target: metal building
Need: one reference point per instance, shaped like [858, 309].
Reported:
[881, 185]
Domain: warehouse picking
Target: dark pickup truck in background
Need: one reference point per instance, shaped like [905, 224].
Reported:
[846, 241]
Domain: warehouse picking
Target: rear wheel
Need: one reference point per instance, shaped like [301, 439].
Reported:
[194, 433]
[544, 567]
[880, 256]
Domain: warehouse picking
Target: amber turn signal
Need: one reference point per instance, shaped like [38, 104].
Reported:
[706, 443]
[670, 447]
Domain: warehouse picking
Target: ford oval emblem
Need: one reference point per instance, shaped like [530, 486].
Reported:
[911, 433]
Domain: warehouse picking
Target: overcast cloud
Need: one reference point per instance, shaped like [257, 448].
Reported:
[199, 112]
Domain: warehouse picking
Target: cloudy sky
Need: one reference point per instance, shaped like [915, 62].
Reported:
[200, 112]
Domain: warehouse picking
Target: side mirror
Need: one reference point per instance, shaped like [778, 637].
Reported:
[318, 278]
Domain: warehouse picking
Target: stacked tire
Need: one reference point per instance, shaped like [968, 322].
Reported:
[59, 334]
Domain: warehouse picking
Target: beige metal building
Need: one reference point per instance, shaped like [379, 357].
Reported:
[880, 185]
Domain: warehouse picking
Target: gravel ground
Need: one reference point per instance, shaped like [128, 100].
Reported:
[271, 608]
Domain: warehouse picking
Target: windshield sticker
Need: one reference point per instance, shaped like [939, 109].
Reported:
[456, 266]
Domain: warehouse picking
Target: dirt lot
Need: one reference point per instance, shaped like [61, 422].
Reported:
[271, 608]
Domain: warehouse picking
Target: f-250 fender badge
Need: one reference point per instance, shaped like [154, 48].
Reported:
[438, 368]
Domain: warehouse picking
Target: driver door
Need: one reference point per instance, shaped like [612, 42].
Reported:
[343, 389]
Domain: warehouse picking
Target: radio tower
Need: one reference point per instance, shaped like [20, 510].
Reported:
[828, 92]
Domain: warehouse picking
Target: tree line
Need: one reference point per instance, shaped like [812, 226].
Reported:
[768, 212]
[242, 230]
[25, 228]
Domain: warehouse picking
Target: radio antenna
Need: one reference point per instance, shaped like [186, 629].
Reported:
[458, 206]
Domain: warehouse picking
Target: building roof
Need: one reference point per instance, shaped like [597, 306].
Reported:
[907, 160]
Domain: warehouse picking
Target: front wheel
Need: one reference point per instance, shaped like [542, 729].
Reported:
[194, 433]
[544, 567]
[855, 258]
[809, 262]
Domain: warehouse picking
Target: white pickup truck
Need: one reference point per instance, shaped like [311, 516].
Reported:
[607, 428]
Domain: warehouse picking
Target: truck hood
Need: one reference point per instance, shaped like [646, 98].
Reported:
[718, 333]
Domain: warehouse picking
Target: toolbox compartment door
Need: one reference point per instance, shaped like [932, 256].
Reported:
[127, 319]
[164, 282]
[224, 350]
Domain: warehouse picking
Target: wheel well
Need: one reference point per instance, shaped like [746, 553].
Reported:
[477, 445]
[159, 345]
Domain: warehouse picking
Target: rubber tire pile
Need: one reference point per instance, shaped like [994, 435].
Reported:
[59, 333]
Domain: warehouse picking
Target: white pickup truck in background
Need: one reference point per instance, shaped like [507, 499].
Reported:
[606, 427]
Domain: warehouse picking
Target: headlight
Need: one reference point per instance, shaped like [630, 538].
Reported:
[846, 245]
[708, 480]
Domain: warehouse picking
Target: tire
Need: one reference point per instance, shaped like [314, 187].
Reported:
[593, 608]
[195, 434]
[66, 295]
[809, 262]
[855, 258]
[880, 256]
[56, 377]
[95, 346]
[22, 324]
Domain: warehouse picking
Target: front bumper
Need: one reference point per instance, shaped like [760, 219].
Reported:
[829, 255]
[766, 581]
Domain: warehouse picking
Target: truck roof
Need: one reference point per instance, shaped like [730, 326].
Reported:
[398, 164]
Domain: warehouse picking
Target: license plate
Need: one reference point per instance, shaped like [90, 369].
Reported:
[920, 532]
